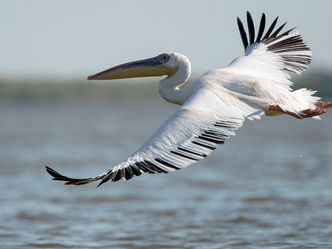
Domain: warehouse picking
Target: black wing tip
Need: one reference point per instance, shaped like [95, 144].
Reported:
[68, 181]
[289, 46]
[101, 182]
[275, 34]
[56, 175]
[113, 176]
[248, 14]
[242, 33]
[251, 30]
[239, 22]
[261, 28]
[249, 17]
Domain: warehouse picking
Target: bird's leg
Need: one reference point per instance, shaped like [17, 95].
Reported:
[323, 105]
[275, 109]
[321, 109]
[309, 113]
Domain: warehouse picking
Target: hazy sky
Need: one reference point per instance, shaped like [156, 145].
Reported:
[71, 39]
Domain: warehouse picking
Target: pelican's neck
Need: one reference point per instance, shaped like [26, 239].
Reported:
[172, 89]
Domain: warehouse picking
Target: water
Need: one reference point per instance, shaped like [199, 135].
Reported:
[268, 187]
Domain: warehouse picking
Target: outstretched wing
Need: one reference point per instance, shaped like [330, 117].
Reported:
[205, 121]
[271, 53]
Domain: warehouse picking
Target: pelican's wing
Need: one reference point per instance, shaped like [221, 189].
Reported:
[271, 55]
[205, 121]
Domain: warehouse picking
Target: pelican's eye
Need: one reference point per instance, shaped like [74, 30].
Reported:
[163, 58]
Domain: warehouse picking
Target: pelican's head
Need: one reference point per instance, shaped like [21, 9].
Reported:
[163, 64]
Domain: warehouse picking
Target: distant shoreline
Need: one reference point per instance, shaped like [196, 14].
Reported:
[134, 88]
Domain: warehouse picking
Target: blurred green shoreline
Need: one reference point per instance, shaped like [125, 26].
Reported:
[74, 89]
[134, 88]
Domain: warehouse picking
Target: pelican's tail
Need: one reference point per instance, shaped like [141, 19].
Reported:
[306, 97]
[306, 100]
[73, 181]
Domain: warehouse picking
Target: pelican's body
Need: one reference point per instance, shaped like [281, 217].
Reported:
[216, 104]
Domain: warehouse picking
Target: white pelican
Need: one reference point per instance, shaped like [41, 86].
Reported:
[216, 104]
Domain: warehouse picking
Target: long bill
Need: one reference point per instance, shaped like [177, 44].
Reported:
[141, 68]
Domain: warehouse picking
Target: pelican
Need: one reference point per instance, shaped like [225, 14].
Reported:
[214, 106]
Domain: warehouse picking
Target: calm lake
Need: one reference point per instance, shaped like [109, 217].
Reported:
[270, 186]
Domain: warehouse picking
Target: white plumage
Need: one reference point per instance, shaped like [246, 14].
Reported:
[216, 104]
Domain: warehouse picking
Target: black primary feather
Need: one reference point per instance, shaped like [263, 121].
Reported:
[242, 33]
[267, 35]
[251, 28]
[295, 54]
[261, 28]
[68, 181]
[278, 30]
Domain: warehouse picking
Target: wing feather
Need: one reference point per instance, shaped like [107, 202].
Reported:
[251, 28]
[261, 28]
[190, 134]
[267, 35]
[286, 52]
[242, 33]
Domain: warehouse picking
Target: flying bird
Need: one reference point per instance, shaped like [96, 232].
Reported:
[215, 105]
